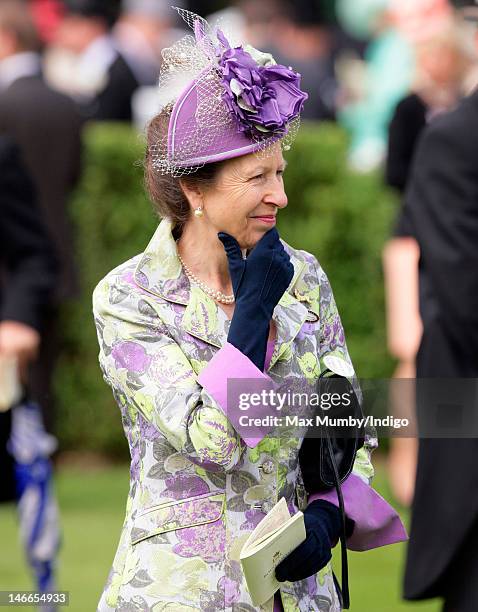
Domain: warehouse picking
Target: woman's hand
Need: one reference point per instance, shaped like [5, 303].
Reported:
[258, 283]
[322, 526]
[264, 275]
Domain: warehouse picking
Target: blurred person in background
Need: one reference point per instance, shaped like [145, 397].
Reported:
[46, 127]
[28, 274]
[140, 33]
[441, 208]
[260, 20]
[301, 37]
[443, 62]
[143, 29]
[370, 88]
[95, 73]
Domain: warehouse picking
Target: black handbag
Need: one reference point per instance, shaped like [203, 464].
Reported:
[328, 453]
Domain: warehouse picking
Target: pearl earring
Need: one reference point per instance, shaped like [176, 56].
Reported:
[198, 211]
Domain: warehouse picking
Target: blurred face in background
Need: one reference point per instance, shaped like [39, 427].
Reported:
[7, 44]
[75, 33]
[441, 61]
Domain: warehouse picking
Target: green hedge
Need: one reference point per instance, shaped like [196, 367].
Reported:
[342, 218]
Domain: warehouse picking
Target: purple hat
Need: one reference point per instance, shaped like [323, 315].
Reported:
[224, 101]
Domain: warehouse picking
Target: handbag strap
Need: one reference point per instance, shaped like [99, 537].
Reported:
[344, 594]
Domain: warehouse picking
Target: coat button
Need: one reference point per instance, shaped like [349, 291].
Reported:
[268, 466]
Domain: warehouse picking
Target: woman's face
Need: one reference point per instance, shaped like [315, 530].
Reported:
[246, 197]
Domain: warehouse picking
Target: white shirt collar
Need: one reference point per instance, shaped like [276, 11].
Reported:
[101, 53]
[91, 68]
[18, 66]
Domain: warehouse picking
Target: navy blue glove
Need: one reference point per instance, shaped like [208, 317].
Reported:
[258, 283]
[322, 527]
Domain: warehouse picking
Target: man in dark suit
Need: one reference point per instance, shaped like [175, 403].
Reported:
[28, 272]
[441, 205]
[47, 128]
[85, 31]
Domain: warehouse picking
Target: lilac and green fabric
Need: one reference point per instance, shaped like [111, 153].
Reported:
[199, 484]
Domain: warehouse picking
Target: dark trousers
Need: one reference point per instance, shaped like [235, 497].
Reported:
[462, 577]
[42, 371]
[7, 484]
[39, 390]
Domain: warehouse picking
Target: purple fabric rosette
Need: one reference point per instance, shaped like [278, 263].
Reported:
[262, 98]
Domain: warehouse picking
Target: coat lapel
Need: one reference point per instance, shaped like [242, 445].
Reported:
[159, 270]
[289, 316]
[204, 319]
[160, 273]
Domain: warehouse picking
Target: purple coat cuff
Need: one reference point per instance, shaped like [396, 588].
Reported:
[229, 374]
[376, 522]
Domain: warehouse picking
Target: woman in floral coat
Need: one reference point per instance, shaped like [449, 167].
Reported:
[217, 296]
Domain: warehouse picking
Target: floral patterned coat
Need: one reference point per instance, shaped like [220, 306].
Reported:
[198, 487]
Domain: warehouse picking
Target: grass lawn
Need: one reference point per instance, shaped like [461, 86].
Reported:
[92, 505]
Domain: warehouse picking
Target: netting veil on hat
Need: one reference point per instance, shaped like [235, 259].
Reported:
[222, 101]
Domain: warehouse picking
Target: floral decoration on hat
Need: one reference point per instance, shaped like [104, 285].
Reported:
[262, 95]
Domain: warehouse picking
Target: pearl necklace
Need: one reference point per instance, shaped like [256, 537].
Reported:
[219, 296]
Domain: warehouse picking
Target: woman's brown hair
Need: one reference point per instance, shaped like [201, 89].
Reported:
[165, 190]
